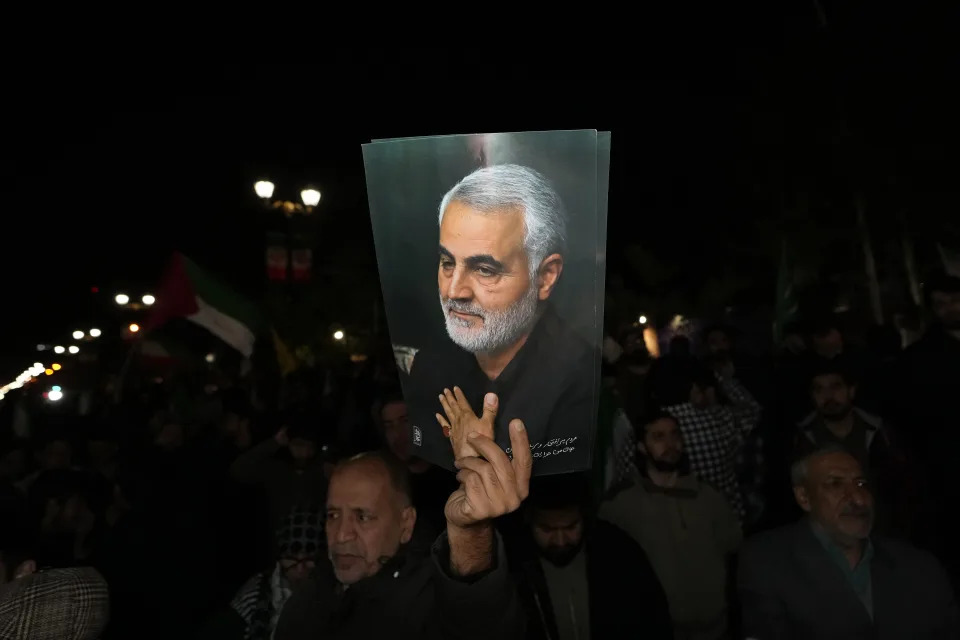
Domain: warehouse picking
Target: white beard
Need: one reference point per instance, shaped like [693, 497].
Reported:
[499, 329]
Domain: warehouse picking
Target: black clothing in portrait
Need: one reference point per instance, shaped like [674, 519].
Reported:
[551, 385]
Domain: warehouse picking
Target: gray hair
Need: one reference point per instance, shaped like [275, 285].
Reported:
[509, 186]
[800, 467]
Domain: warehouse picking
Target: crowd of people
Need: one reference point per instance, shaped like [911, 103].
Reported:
[807, 494]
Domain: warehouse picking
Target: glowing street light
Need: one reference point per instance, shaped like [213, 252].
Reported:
[55, 395]
[310, 197]
[78, 335]
[58, 349]
[134, 327]
[55, 367]
[643, 319]
[148, 299]
[338, 335]
[210, 358]
[49, 372]
[74, 349]
[94, 333]
[122, 299]
[264, 189]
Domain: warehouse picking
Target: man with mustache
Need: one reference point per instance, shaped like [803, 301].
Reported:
[828, 576]
[836, 419]
[584, 578]
[373, 587]
[501, 254]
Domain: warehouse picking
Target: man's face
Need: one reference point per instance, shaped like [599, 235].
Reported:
[396, 429]
[366, 520]
[57, 455]
[832, 396]
[302, 450]
[946, 306]
[487, 297]
[828, 344]
[558, 533]
[663, 444]
[718, 343]
[837, 497]
[297, 567]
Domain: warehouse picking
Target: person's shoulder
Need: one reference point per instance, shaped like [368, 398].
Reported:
[761, 546]
[905, 556]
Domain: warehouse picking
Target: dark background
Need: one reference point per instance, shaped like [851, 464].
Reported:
[730, 125]
[406, 181]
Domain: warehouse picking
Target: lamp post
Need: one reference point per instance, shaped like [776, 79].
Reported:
[289, 254]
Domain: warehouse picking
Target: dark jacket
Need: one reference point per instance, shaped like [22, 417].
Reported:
[410, 598]
[550, 384]
[790, 588]
[626, 599]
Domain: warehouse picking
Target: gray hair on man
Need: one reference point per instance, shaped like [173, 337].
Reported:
[800, 467]
[511, 186]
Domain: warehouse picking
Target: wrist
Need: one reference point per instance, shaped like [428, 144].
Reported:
[471, 548]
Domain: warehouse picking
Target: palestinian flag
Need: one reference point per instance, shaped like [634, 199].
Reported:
[187, 291]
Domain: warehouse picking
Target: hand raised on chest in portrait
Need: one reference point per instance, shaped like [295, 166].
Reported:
[461, 420]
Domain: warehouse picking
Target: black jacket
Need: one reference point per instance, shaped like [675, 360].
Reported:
[789, 587]
[626, 598]
[410, 598]
[551, 384]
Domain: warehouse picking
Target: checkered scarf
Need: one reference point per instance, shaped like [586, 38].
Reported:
[260, 601]
[60, 604]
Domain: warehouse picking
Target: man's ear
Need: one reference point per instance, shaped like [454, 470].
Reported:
[24, 569]
[548, 274]
[408, 520]
[802, 498]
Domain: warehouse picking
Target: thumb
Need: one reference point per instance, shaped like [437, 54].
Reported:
[490, 403]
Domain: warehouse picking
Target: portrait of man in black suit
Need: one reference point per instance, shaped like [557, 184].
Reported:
[502, 240]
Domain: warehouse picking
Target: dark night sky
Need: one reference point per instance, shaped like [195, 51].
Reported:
[110, 167]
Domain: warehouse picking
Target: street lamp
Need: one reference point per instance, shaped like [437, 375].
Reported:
[58, 349]
[264, 189]
[148, 299]
[338, 335]
[94, 333]
[310, 197]
[74, 349]
[122, 299]
[78, 335]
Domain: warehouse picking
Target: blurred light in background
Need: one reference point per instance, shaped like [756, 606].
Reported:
[78, 335]
[55, 366]
[122, 299]
[58, 349]
[310, 197]
[74, 349]
[54, 396]
[94, 333]
[134, 327]
[338, 335]
[264, 189]
[148, 299]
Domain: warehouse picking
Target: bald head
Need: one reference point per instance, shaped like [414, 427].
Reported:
[369, 514]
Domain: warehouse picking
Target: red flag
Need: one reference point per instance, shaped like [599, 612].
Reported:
[302, 264]
[277, 260]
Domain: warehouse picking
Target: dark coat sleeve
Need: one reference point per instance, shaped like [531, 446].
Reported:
[226, 624]
[632, 605]
[764, 614]
[485, 607]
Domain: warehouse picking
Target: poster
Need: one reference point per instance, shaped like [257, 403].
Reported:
[491, 250]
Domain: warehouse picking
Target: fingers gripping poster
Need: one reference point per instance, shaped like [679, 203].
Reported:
[491, 250]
